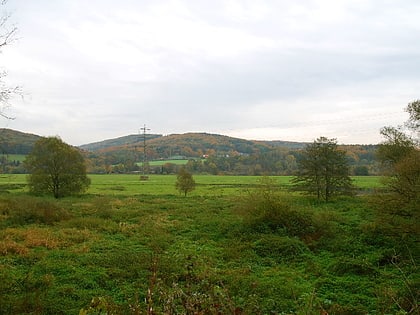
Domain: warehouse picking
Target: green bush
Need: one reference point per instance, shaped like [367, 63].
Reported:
[27, 210]
[266, 210]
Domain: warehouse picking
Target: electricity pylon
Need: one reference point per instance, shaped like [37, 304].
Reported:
[144, 129]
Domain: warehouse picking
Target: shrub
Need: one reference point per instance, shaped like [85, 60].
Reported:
[19, 241]
[266, 210]
[28, 210]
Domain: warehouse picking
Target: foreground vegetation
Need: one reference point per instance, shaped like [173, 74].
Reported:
[235, 245]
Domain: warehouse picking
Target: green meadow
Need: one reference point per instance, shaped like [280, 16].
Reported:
[162, 162]
[129, 184]
[16, 157]
[165, 184]
[129, 246]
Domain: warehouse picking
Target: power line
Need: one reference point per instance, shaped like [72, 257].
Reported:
[144, 129]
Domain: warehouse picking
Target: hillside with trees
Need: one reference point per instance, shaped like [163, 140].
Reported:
[16, 142]
[218, 154]
[118, 142]
[188, 144]
[206, 154]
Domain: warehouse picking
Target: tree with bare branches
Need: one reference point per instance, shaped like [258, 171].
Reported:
[7, 35]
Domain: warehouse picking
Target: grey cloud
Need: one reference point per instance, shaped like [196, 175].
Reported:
[116, 66]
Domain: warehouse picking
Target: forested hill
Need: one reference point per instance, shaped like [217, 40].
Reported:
[199, 144]
[16, 142]
[187, 145]
[223, 154]
[129, 140]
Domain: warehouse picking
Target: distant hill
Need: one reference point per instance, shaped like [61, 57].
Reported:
[16, 142]
[197, 144]
[129, 140]
[158, 146]
[223, 154]
[187, 144]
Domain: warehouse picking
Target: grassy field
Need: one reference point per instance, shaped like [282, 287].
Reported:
[165, 184]
[130, 184]
[129, 245]
[162, 162]
[131, 181]
[16, 157]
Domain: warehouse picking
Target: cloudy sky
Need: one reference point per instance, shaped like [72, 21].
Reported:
[275, 70]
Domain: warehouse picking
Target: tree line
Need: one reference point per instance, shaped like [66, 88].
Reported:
[272, 161]
[322, 168]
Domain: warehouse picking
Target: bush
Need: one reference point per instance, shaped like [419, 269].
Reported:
[268, 211]
[28, 210]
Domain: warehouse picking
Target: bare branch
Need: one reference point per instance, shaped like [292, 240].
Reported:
[7, 35]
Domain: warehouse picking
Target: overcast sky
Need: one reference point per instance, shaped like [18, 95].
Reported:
[275, 70]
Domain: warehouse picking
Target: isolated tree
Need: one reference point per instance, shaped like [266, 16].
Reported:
[56, 168]
[184, 181]
[323, 170]
[7, 35]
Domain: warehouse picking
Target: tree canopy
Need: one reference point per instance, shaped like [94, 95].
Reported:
[56, 168]
[323, 170]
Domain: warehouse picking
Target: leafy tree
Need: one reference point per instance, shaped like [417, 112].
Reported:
[397, 208]
[184, 181]
[397, 145]
[323, 170]
[57, 168]
[399, 155]
[413, 122]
